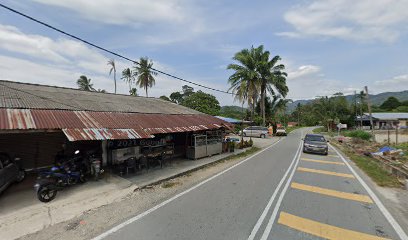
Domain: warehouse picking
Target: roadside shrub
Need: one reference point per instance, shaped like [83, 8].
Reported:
[359, 134]
[319, 130]
[245, 144]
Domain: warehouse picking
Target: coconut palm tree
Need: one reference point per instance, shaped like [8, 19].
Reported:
[112, 64]
[245, 79]
[127, 76]
[84, 83]
[144, 74]
[273, 78]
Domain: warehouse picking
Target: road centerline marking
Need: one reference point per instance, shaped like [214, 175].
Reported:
[321, 229]
[321, 161]
[275, 193]
[311, 170]
[331, 155]
[332, 193]
[272, 219]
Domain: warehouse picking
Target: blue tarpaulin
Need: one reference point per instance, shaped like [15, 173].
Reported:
[386, 149]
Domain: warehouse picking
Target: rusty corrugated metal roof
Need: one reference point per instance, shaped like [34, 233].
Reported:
[84, 125]
[104, 134]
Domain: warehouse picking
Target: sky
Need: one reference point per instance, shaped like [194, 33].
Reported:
[327, 46]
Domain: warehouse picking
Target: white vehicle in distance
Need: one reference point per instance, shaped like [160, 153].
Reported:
[281, 132]
[255, 131]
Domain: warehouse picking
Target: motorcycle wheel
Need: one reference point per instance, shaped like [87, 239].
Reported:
[45, 194]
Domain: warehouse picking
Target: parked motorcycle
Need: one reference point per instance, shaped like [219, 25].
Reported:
[57, 178]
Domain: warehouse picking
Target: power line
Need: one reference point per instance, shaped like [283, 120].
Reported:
[106, 50]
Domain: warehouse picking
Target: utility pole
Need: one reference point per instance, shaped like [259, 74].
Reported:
[369, 110]
[355, 105]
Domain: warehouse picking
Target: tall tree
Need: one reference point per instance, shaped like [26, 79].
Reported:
[245, 79]
[127, 76]
[273, 78]
[84, 83]
[112, 65]
[203, 102]
[144, 73]
[187, 90]
[176, 97]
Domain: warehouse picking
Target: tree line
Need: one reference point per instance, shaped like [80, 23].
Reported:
[258, 80]
[329, 111]
[200, 101]
[140, 75]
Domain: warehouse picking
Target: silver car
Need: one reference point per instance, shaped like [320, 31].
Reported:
[256, 131]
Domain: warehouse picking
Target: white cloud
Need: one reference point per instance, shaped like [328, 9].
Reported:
[397, 83]
[60, 62]
[128, 12]
[363, 20]
[20, 70]
[401, 79]
[61, 52]
[302, 71]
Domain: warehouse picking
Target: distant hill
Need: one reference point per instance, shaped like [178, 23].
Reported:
[232, 111]
[376, 99]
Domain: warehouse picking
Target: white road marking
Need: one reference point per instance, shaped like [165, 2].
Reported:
[279, 202]
[141, 215]
[376, 200]
[272, 199]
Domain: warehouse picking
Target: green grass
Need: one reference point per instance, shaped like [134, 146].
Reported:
[247, 153]
[373, 169]
[169, 184]
[290, 129]
[358, 134]
[320, 130]
[403, 146]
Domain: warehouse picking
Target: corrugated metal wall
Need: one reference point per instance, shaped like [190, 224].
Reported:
[39, 149]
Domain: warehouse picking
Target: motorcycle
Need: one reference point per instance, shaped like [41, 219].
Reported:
[57, 178]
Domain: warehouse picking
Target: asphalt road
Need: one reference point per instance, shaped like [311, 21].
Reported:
[280, 193]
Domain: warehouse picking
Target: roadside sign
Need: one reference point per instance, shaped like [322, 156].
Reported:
[341, 126]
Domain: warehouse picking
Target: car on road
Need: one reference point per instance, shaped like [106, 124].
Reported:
[10, 171]
[281, 132]
[255, 131]
[315, 143]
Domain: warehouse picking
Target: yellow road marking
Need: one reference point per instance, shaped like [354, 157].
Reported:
[321, 161]
[332, 193]
[330, 155]
[325, 172]
[322, 230]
